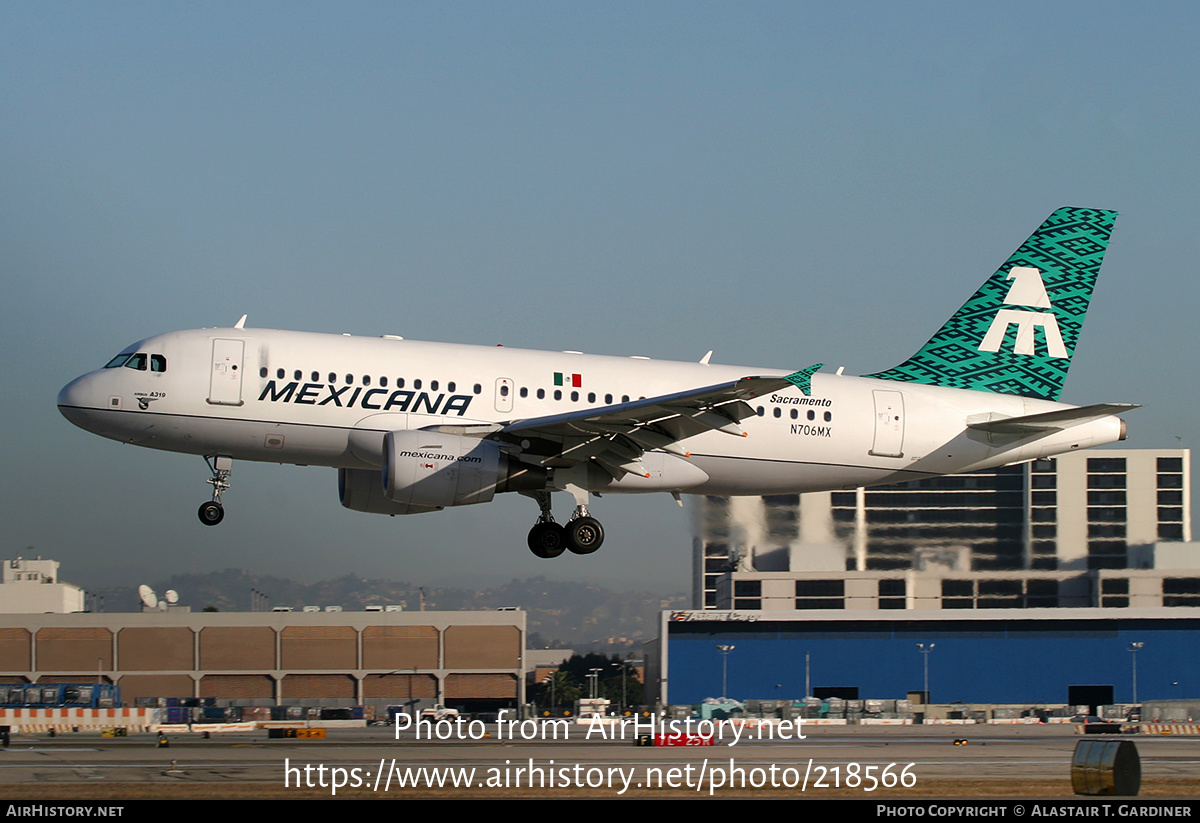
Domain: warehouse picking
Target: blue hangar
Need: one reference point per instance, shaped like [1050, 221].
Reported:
[978, 656]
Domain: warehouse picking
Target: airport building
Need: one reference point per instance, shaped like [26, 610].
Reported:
[1072, 580]
[1002, 656]
[472, 660]
[1107, 528]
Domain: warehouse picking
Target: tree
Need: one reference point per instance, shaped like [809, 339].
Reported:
[557, 690]
[575, 671]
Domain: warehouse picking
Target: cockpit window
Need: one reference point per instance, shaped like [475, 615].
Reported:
[137, 361]
[158, 362]
[118, 361]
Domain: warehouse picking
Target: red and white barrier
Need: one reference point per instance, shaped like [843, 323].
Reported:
[40, 721]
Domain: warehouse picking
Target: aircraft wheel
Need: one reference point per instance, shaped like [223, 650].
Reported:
[547, 540]
[584, 535]
[211, 513]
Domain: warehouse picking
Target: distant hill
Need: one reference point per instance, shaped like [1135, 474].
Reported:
[561, 614]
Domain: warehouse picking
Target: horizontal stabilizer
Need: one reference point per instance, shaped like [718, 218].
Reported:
[1050, 421]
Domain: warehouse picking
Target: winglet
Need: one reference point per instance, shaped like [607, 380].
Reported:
[803, 379]
[241, 324]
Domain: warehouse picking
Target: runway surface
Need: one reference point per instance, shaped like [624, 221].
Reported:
[855, 761]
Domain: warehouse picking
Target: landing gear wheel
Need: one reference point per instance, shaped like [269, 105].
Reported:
[584, 535]
[547, 540]
[211, 513]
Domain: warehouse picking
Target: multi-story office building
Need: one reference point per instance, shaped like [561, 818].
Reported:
[1093, 528]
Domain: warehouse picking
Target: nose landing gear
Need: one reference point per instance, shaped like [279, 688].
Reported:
[212, 512]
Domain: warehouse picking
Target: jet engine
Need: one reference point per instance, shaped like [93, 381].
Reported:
[426, 471]
[361, 490]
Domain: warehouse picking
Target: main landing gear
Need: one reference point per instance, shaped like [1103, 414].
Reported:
[212, 512]
[582, 534]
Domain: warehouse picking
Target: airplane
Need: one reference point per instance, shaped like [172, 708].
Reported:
[416, 426]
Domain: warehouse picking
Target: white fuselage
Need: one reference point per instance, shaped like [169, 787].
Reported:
[321, 399]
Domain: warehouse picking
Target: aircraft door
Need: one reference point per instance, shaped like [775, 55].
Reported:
[225, 381]
[504, 394]
[889, 424]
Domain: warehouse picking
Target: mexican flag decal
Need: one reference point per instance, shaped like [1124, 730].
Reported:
[574, 380]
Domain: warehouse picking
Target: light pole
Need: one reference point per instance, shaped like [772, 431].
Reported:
[1134, 648]
[595, 677]
[925, 650]
[725, 649]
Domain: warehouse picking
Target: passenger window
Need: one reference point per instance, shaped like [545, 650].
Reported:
[608, 399]
[504, 391]
[558, 394]
[262, 372]
[279, 374]
[417, 383]
[158, 362]
[316, 377]
[524, 391]
[591, 397]
[574, 397]
[297, 375]
[138, 361]
[541, 394]
[383, 382]
[478, 388]
[450, 386]
[433, 384]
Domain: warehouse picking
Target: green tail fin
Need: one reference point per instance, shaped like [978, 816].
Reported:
[1017, 334]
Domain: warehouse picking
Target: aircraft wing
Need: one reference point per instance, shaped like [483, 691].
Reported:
[615, 437]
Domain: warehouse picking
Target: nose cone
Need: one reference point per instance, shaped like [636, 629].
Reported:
[76, 400]
[68, 395]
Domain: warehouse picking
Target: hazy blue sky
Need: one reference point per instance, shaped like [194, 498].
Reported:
[785, 183]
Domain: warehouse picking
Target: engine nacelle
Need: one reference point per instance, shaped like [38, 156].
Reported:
[432, 469]
[429, 470]
[362, 491]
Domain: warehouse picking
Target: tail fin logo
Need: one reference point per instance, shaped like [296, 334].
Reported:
[1043, 290]
[1027, 290]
